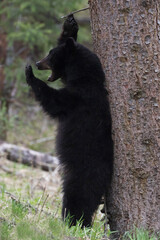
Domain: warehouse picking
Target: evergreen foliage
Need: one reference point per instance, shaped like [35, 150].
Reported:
[32, 28]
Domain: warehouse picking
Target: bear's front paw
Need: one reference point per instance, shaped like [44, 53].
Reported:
[29, 74]
[70, 26]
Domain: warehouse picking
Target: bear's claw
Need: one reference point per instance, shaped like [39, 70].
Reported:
[29, 74]
[29, 70]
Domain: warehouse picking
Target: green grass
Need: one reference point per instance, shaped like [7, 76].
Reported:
[29, 124]
[139, 234]
[30, 209]
[21, 222]
[30, 212]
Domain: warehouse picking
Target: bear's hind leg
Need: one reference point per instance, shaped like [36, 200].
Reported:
[79, 204]
[74, 210]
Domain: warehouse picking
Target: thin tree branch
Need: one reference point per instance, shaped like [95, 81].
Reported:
[83, 9]
[41, 140]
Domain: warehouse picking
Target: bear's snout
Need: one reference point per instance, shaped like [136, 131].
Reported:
[38, 64]
[42, 65]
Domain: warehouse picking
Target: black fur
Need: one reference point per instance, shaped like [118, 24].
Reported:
[84, 144]
[70, 29]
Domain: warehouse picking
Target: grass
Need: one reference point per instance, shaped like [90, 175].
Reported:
[30, 124]
[21, 222]
[30, 209]
[139, 234]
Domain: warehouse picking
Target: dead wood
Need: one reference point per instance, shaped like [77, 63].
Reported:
[28, 157]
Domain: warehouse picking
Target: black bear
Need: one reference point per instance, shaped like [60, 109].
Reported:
[84, 144]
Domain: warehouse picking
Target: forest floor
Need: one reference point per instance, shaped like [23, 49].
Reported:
[30, 198]
[30, 206]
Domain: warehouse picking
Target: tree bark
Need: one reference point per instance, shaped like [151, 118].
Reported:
[126, 37]
[3, 49]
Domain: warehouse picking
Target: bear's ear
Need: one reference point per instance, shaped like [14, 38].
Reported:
[70, 43]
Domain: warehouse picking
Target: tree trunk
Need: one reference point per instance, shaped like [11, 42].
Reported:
[126, 36]
[3, 53]
[3, 47]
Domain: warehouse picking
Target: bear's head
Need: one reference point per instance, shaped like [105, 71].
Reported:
[72, 62]
[56, 59]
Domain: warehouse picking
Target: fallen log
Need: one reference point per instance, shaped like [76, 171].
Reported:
[28, 157]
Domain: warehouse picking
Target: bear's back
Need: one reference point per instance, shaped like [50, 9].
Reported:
[84, 134]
